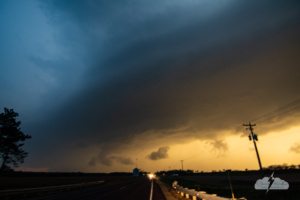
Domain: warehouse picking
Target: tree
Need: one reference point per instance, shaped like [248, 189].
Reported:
[11, 140]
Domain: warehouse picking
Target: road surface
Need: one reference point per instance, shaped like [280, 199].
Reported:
[141, 188]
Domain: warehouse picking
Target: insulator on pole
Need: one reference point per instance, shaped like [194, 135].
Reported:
[255, 137]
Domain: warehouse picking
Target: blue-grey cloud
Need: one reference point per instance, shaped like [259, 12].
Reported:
[103, 72]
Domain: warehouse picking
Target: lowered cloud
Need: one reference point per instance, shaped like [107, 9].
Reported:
[161, 153]
[219, 147]
[123, 160]
[109, 160]
[295, 148]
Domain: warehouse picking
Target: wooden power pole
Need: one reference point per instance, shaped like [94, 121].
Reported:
[254, 138]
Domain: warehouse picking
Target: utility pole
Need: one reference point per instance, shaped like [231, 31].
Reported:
[182, 165]
[254, 138]
[232, 194]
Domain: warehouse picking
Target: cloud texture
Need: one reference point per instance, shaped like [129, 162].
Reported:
[295, 148]
[116, 76]
[161, 153]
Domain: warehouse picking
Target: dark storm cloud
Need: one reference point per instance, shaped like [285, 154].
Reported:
[160, 66]
[123, 160]
[109, 160]
[161, 153]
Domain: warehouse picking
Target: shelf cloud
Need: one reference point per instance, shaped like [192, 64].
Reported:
[107, 78]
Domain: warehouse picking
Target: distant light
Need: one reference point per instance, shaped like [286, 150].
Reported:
[151, 176]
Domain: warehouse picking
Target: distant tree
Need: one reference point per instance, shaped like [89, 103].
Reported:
[11, 140]
[293, 167]
[285, 166]
[272, 167]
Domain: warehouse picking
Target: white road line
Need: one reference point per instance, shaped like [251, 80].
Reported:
[151, 190]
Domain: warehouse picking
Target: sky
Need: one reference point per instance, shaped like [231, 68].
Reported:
[107, 86]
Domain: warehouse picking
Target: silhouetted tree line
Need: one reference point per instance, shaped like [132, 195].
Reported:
[283, 167]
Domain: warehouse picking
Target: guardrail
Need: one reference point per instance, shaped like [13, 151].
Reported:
[198, 194]
[7, 194]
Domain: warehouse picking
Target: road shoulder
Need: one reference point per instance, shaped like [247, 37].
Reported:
[166, 190]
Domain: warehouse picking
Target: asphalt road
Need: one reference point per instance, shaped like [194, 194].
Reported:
[139, 189]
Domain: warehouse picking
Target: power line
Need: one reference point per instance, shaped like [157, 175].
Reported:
[279, 111]
[280, 114]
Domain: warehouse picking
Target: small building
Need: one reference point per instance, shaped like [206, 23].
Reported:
[136, 172]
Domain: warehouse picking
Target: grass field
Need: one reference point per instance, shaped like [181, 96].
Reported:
[33, 180]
